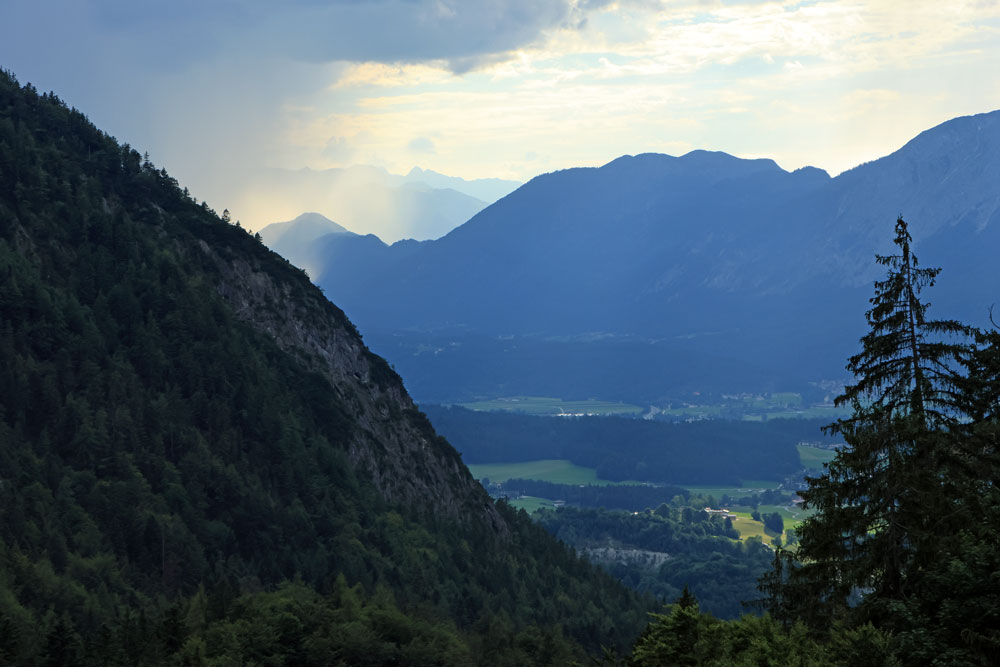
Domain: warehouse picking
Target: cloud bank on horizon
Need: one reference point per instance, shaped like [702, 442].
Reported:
[505, 88]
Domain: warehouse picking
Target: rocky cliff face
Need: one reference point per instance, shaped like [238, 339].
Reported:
[637, 558]
[393, 443]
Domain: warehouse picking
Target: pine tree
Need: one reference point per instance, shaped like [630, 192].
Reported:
[875, 503]
[904, 368]
[674, 638]
[953, 616]
[980, 397]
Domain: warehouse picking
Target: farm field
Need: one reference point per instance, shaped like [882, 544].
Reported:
[814, 457]
[778, 405]
[746, 487]
[557, 471]
[531, 504]
[546, 406]
[748, 528]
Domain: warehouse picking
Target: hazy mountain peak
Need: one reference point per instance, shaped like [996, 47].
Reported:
[723, 160]
[363, 199]
[946, 176]
[697, 164]
[295, 239]
[962, 136]
[813, 172]
[958, 130]
[488, 190]
[305, 227]
[318, 219]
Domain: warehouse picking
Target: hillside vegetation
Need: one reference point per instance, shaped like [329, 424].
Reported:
[618, 448]
[202, 462]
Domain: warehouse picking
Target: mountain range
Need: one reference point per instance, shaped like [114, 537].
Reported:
[656, 274]
[422, 204]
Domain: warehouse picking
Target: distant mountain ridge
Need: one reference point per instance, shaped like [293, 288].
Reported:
[486, 189]
[294, 239]
[421, 205]
[775, 264]
[304, 228]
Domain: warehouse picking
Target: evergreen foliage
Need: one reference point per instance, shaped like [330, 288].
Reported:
[663, 551]
[166, 469]
[686, 636]
[905, 531]
[878, 502]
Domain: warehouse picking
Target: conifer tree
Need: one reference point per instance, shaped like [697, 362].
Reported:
[673, 638]
[875, 502]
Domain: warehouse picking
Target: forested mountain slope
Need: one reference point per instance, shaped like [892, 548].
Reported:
[691, 257]
[654, 244]
[186, 423]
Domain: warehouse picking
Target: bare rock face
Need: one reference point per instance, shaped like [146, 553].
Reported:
[393, 442]
[641, 558]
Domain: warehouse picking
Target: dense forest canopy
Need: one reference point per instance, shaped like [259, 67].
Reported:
[663, 551]
[702, 452]
[177, 483]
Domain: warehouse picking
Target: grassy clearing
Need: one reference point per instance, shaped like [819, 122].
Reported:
[814, 457]
[811, 412]
[749, 528]
[793, 517]
[778, 405]
[530, 504]
[547, 406]
[760, 484]
[786, 514]
[746, 487]
[696, 411]
[557, 471]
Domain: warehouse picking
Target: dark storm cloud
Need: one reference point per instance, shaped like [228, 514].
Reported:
[463, 33]
[407, 31]
[205, 85]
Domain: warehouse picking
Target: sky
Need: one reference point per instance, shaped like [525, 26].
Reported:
[215, 89]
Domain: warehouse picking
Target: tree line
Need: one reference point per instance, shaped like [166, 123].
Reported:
[702, 452]
[607, 496]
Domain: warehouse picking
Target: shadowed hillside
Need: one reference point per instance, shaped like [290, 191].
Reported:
[188, 425]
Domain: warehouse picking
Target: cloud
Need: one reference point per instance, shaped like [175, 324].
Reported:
[387, 75]
[421, 145]
[502, 87]
[167, 35]
[338, 149]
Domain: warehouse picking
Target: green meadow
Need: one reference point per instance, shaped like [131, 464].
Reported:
[813, 458]
[547, 406]
[530, 504]
[557, 471]
[745, 487]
